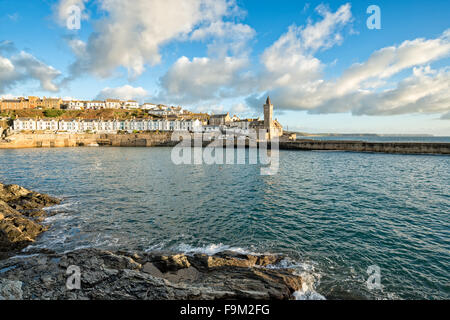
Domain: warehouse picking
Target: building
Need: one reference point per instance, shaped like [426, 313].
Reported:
[106, 126]
[45, 124]
[149, 106]
[219, 119]
[25, 124]
[131, 104]
[12, 104]
[159, 111]
[34, 102]
[271, 127]
[19, 103]
[71, 125]
[76, 105]
[113, 104]
[95, 104]
[51, 103]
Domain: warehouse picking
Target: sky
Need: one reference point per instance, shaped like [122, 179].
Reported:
[323, 67]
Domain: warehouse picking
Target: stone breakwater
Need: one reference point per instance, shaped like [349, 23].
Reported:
[362, 146]
[163, 139]
[21, 214]
[42, 274]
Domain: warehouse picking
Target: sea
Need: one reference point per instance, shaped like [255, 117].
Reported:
[353, 225]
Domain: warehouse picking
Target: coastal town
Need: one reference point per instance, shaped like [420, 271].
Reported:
[158, 117]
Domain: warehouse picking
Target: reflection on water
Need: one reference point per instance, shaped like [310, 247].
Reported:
[332, 213]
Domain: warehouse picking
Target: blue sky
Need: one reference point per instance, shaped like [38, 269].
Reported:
[324, 69]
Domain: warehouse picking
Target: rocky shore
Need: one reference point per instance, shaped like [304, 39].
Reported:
[21, 214]
[109, 275]
[146, 276]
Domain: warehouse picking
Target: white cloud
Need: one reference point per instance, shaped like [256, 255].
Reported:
[132, 32]
[63, 10]
[291, 58]
[126, 92]
[425, 91]
[224, 29]
[24, 67]
[294, 76]
[325, 33]
[204, 78]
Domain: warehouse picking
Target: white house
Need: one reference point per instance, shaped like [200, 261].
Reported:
[131, 104]
[107, 126]
[47, 124]
[113, 104]
[162, 110]
[76, 105]
[72, 125]
[149, 106]
[95, 104]
[21, 124]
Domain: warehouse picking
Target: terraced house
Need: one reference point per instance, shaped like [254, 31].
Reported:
[105, 126]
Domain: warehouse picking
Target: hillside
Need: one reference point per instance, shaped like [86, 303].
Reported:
[106, 114]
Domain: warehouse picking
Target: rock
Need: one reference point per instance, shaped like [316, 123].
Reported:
[121, 275]
[151, 269]
[20, 216]
[10, 290]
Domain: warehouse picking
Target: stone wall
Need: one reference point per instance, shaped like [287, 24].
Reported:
[359, 146]
[51, 140]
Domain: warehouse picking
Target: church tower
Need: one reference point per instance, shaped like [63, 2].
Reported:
[268, 115]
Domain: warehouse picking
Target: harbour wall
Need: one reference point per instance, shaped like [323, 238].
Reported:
[361, 146]
[52, 140]
[49, 140]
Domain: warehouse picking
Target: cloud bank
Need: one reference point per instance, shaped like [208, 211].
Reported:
[23, 67]
[131, 35]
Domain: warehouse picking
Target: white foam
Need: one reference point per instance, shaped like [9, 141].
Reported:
[60, 206]
[210, 249]
[310, 278]
[307, 294]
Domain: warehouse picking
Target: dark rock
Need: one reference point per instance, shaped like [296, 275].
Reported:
[117, 275]
[20, 216]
